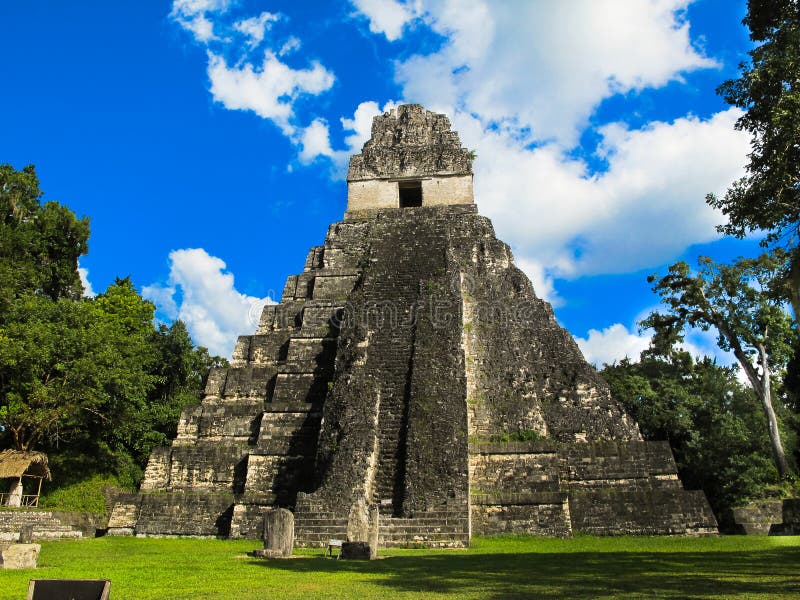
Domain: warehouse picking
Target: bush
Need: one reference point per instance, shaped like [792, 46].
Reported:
[84, 496]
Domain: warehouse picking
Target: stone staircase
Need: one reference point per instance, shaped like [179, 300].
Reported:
[388, 486]
[406, 274]
[46, 526]
[315, 529]
[434, 529]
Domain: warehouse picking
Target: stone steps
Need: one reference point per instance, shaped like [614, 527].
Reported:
[319, 537]
[462, 542]
[403, 531]
[390, 442]
[437, 529]
[315, 518]
[453, 521]
[315, 528]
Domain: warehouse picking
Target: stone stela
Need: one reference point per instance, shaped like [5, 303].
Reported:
[410, 389]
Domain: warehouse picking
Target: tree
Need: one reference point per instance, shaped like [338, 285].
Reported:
[70, 365]
[120, 427]
[714, 428]
[39, 250]
[737, 302]
[39, 243]
[768, 89]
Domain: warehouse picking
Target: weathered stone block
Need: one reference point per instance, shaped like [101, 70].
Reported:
[356, 551]
[791, 518]
[279, 532]
[791, 511]
[156, 474]
[20, 556]
[199, 514]
[758, 517]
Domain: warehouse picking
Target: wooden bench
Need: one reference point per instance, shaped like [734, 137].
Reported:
[335, 544]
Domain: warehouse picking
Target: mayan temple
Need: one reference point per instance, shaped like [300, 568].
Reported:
[410, 377]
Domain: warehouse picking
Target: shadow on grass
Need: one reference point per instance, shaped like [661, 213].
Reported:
[769, 573]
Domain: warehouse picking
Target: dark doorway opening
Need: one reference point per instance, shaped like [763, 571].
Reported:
[410, 193]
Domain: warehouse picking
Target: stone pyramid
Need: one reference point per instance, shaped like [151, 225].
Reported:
[411, 377]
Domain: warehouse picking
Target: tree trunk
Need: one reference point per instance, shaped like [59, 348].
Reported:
[772, 421]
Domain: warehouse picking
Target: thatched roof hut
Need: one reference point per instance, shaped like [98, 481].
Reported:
[15, 464]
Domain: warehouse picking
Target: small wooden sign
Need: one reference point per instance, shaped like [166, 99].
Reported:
[69, 589]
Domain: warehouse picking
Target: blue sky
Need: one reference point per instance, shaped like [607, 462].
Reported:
[207, 139]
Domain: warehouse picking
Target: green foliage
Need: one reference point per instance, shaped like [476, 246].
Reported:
[508, 567]
[75, 365]
[735, 300]
[84, 496]
[525, 435]
[768, 89]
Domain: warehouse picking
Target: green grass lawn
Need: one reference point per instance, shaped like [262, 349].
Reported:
[516, 567]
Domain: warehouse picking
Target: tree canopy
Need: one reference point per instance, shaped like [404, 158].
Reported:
[768, 90]
[39, 243]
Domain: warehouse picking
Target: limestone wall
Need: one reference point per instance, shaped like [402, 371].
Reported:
[438, 191]
[619, 488]
[201, 514]
[526, 375]
[374, 194]
[758, 517]
[47, 524]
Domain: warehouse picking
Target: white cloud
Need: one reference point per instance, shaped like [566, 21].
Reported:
[612, 344]
[644, 210]
[214, 311]
[315, 141]
[547, 65]
[291, 45]
[193, 7]
[616, 342]
[388, 17]
[201, 28]
[192, 16]
[269, 89]
[163, 296]
[520, 81]
[87, 287]
[256, 27]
